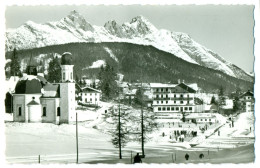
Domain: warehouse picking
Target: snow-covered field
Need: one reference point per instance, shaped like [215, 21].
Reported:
[57, 143]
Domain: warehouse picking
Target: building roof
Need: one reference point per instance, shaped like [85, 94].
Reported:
[30, 84]
[199, 115]
[51, 90]
[66, 58]
[181, 87]
[248, 93]
[162, 85]
[33, 102]
[90, 89]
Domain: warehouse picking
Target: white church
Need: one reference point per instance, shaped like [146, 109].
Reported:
[37, 100]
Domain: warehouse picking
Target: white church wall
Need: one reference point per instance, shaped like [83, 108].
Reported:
[67, 102]
[34, 113]
[18, 101]
[51, 109]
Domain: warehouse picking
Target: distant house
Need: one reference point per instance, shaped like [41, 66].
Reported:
[248, 101]
[201, 118]
[90, 95]
[211, 108]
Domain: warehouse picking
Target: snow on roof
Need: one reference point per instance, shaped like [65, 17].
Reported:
[90, 89]
[169, 85]
[200, 115]
[51, 90]
[162, 85]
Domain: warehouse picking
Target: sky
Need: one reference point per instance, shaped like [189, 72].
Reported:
[225, 29]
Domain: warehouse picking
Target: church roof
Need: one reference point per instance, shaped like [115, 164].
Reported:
[30, 84]
[66, 58]
[51, 90]
[33, 102]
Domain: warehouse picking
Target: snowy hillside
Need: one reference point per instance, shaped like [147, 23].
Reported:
[74, 28]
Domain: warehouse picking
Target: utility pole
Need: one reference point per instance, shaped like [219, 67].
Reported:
[77, 137]
[142, 116]
[119, 130]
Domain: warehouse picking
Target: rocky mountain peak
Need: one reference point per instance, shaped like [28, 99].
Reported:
[77, 20]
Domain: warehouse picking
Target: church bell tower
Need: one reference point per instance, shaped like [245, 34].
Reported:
[67, 90]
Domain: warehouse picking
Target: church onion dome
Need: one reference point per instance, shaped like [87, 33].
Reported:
[66, 58]
[30, 84]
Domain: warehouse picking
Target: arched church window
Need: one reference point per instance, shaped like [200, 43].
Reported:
[58, 111]
[63, 76]
[19, 111]
[44, 111]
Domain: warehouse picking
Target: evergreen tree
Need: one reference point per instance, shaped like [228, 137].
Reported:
[54, 70]
[221, 96]
[120, 133]
[15, 66]
[237, 104]
[107, 78]
[139, 97]
[213, 100]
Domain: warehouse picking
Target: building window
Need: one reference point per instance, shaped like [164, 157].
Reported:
[161, 96]
[19, 111]
[181, 95]
[185, 108]
[159, 108]
[172, 108]
[181, 102]
[58, 111]
[91, 99]
[86, 100]
[190, 108]
[168, 108]
[90, 94]
[157, 90]
[157, 96]
[161, 102]
[44, 111]
[166, 102]
[63, 76]
[177, 108]
[161, 90]
[205, 119]
[174, 95]
[163, 108]
[209, 119]
[174, 102]
[166, 89]
[188, 101]
[201, 119]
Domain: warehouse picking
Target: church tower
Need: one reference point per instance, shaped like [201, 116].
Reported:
[67, 90]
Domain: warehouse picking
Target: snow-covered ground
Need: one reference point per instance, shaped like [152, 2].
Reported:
[57, 143]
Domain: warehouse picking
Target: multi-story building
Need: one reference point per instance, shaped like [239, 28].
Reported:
[248, 101]
[170, 101]
[90, 95]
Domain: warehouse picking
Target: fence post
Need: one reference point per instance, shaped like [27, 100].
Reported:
[175, 157]
[39, 159]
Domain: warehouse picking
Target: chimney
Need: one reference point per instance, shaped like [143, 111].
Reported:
[179, 81]
[183, 81]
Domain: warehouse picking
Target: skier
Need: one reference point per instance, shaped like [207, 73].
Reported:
[137, 158]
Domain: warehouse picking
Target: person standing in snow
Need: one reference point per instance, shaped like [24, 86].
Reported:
[137, 158]
[187, 156]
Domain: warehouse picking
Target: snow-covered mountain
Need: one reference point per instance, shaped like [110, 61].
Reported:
[74, 28]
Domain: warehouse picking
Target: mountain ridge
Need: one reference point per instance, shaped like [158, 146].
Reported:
[74, 28]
